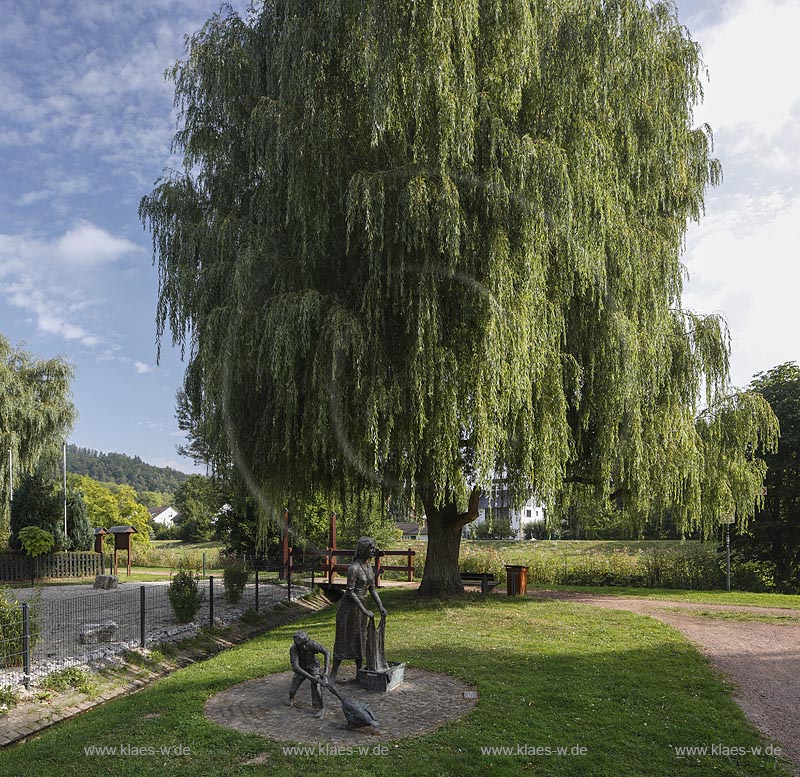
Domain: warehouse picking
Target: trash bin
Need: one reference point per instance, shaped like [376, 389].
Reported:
[516, 580]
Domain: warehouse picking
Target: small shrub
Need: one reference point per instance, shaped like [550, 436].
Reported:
[234, 579]
[184, 595]
[535, 530]
[36, 541]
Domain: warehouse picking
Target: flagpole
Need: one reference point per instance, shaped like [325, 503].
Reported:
[65, 491]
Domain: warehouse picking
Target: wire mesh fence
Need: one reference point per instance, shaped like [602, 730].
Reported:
[57, 627]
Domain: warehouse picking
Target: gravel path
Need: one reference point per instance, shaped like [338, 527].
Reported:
[761, 659]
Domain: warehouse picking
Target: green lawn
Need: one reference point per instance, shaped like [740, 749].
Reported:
[628, 689]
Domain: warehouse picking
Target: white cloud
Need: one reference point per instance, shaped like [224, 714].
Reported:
[87, 245]
[46, 277]
[754, 59]
[141, 368]
[746, 265]
[743, 257]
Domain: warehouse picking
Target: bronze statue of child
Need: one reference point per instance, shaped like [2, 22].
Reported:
[305, 664]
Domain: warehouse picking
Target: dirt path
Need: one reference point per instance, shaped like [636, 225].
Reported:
[761, 659]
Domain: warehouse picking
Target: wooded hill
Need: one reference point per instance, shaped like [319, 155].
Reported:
[123, 470]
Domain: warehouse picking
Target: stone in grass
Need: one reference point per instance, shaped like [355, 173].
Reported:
[97, 632]
[106, 582]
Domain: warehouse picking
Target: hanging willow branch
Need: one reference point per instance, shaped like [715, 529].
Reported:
[404, 225]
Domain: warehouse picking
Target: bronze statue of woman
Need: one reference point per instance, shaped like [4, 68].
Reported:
[353, 616]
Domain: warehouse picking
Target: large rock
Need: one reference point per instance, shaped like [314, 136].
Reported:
[97, 632]
[106, 582]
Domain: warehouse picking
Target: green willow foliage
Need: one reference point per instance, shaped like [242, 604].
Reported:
[425, 243]
[36, 413]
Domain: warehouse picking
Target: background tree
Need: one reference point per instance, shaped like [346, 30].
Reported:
[155, 498]
[417, 246]
[774, 535]
[37, 502]
[198, 500]
[112, 505]
[36, 414]
[79, 530]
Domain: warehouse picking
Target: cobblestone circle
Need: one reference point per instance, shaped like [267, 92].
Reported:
[424, 702]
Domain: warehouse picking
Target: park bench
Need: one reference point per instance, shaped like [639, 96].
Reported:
[485, 580]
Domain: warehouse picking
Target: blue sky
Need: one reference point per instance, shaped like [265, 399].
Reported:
[86, 121]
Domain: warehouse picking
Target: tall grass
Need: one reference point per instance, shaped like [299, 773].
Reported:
[693, 568]
[175, 558]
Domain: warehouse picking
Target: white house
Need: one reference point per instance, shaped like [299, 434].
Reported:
[163, 515]
[498, 502]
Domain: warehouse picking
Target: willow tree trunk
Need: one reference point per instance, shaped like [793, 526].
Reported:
[441, 576]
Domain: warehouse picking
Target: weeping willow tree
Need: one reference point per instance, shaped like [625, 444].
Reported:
[36, 413]
[425, 244]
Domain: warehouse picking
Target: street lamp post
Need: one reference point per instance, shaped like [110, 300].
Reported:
[728, 520]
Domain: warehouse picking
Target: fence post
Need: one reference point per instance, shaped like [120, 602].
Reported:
[256, 587]
[26, 645]
[142, 611]
[313, 564]
[204, 563]
[211, 599]
[378, 569]
[410, 565]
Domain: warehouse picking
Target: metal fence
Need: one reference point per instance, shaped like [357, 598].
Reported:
[57, 628]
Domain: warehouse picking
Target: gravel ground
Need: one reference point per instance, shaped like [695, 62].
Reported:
[761, 659]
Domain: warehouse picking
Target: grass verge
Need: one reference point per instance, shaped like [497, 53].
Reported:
[790, 601]
[627, 689]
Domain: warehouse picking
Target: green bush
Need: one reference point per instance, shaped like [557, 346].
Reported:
[494, 527]
[755, 576]
[184, 595]
[535, 530]
[36, 541]
[234, 579]
[11, 646]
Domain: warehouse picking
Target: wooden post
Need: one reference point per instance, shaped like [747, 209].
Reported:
[410, 566]
[378, 569]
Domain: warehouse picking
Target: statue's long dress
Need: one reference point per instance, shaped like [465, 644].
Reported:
[376, 658]
[351, 623]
